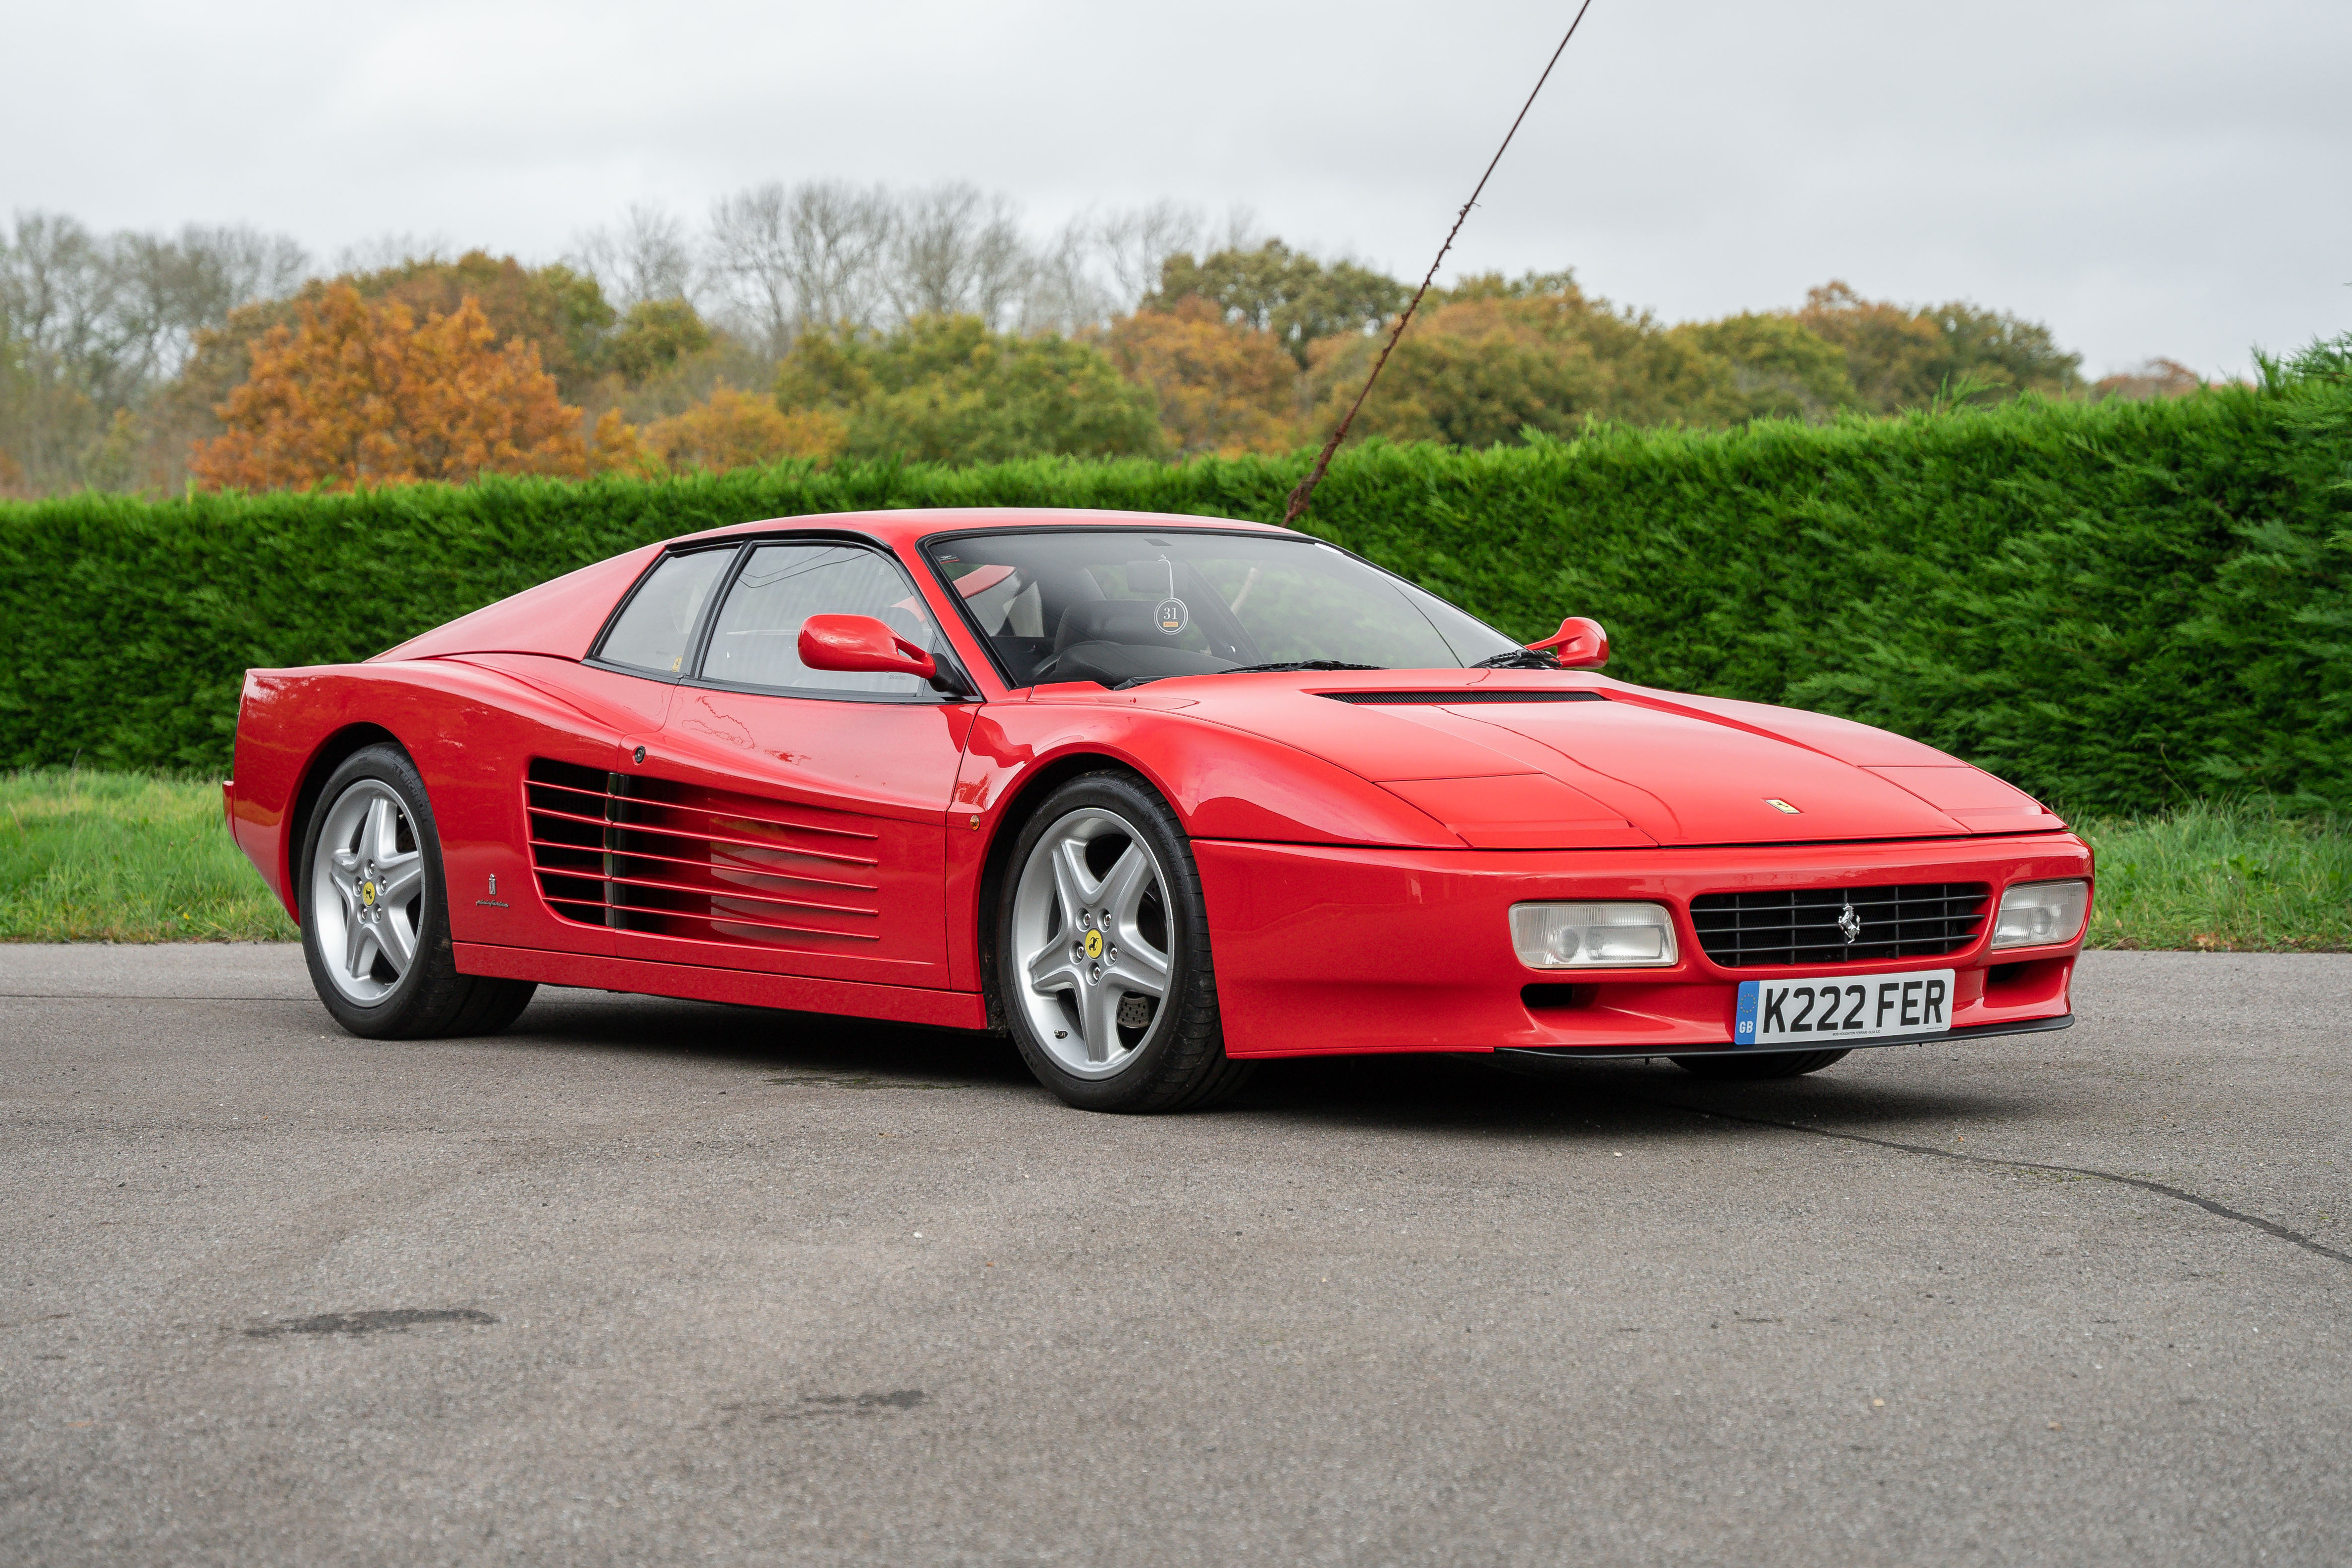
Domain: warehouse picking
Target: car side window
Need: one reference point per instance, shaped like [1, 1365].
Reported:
[756, 641]
[654, 632]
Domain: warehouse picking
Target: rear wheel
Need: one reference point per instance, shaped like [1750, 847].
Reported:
[1102, 951]
[1749, 1065]
[375, 912]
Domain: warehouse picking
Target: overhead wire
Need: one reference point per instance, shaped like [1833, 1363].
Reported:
[1306, 490]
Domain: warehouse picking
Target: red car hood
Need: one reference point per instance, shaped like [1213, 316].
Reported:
[1613, 765]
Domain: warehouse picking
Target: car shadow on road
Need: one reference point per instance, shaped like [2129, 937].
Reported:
[812, 1043]
[1459, 1094]
[1437, 1093]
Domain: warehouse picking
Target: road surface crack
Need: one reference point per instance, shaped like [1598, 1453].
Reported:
[2161, 1189]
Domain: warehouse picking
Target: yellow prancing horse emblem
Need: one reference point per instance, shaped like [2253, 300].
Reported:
[1093, 944]
[367, 892]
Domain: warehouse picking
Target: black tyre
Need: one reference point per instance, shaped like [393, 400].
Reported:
[1748, 1066]
[375, 912]
[1102, 953]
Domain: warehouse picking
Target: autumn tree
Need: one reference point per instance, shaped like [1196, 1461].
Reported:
[1484, 369]
[1781, 368]
[654, 335]
[1528, 285]
[2151, 380]
[2005, 353]
[734, 430]
[945, 389]
[1893, 356]
[1222, 387]
[1299, 300]
[559, 311]
[360, 393]
[562, 313]
[1899, 356]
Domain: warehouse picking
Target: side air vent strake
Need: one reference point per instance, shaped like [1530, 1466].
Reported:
[1809, 925]
[675, 859]
[1457, 698]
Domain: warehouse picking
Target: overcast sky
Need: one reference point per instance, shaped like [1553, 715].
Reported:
[2148, 176]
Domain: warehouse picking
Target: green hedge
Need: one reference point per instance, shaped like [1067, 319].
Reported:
[2116, 605]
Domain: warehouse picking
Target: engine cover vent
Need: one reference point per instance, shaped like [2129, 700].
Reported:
[677, 859]
[1456, 699]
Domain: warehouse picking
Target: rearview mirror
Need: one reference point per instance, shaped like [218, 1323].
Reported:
[861, 643]
[1579, 644]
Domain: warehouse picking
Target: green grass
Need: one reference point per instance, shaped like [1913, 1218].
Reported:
[111, 857]
[2224, 878]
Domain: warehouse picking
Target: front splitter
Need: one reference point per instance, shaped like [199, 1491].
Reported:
[1621, 1053]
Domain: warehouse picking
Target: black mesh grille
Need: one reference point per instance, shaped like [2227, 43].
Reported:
[1455, 699]
[1918, 919]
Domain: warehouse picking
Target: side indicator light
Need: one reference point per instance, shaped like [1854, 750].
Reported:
[1780, 805]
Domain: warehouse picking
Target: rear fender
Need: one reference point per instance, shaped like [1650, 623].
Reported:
[470, 732]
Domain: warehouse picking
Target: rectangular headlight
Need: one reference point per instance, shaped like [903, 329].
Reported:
[2036, 914]
[1592, 936]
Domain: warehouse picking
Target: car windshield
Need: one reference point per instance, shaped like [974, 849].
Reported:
[1123, 606]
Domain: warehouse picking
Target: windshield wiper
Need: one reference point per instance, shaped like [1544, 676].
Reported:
[1295, 664]
[1519, 659]
[1135, 680]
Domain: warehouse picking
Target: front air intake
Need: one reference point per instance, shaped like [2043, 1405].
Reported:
[1839, 925]
[676, 859]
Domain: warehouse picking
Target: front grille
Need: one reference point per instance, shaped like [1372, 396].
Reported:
[1918, 919]
[677, 859]
[1453, 698]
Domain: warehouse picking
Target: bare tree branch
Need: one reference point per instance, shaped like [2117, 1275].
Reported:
[644, 257]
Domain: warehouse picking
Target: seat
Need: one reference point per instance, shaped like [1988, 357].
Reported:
[1130, 621]
[1114, 640]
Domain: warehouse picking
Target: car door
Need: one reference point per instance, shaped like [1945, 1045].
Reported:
[793, 820]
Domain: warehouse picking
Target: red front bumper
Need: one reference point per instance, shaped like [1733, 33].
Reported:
[1323, 950]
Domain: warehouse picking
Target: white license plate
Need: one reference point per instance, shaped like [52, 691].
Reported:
[1821, 1010]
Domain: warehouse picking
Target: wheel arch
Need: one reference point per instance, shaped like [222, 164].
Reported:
[330, 754]
[1029, 792]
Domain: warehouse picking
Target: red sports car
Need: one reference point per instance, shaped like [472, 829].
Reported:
[1161, 796]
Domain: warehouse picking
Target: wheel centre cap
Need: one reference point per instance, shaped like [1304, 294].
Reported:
[367, 893]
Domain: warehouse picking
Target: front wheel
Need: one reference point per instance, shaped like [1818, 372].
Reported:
[1102, 953]
[375, 912]
[1750, 1067]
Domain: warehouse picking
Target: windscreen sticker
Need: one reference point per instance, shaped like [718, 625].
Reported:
[1172, 617]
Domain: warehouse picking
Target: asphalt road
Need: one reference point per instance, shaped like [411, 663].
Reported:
[649, 1281]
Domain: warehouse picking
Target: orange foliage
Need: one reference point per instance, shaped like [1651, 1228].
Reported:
[1222, 387]
[614, 444]
[1895, 356]
[357, 393]
[2156, 378]
[736, 431]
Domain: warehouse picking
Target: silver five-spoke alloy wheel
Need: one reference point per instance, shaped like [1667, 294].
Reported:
[367, 888]
[1090, 930]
